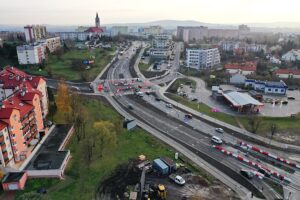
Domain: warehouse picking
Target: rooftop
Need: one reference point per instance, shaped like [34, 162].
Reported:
[49, 156]
[241, 99]
[13, 177]
[288, 71]
[247, 66]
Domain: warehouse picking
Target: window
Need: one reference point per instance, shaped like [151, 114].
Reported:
[276, 90]
[282, 90]
[269, 89]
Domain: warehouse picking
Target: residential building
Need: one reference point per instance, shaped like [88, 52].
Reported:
[35, 32]
[237, 79]
[22, 114]
[246, 68]
[203, 58]
[291, 56]
[77, 36]
[242, 46]
[31, 54]
[288, 73]
[267, 87]
[153, 30]
[195, 33]
[52, 44]
[275, 60]
[119, 30]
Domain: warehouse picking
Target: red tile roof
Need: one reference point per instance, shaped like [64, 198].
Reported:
[2, 125]
[12, 77]
[94, 30]
[288, 71]
[5, 113]
[15, 102]
[248, 66]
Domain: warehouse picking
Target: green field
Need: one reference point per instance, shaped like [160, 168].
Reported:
[81, 182]
[285, 125]
[143, 67]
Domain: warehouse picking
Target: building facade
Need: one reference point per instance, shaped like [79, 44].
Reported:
[119, 30]
[288, 73]
[52, 44]
[22, 115]
[35, 32]
[31, 54]
[267, 87]
[246, 68]
[291, 56]
[203, 58]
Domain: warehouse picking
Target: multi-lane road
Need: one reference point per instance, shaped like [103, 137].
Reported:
[193, 134]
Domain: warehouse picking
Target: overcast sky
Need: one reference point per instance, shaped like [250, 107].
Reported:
[74, 12]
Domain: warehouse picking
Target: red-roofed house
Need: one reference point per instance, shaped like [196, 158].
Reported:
[288, 73]
[246, 68]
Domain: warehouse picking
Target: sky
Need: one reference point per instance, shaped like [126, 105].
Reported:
[82, 12]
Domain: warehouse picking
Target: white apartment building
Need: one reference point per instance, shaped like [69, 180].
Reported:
[77, 36]
[161, 41]
[203, 58]
[119, 30]
[232, 46]
[35, 32]
[159, 53]
[30, 54]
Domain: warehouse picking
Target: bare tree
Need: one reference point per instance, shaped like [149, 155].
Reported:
[254, 123]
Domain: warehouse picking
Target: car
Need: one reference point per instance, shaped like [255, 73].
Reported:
[264, 172]
[157, 99]
[219, 130]
[130, 106]
[177, 179]
[291, 98]
[148, 93]
[188, 116]
[168, 105]
[216, 140]
[248, 174]
[194, 99]
[139, 94]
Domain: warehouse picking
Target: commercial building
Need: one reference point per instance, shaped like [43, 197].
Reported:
[24, 106]
[161, 41]
[31, 54]
[267, 87]
[119, 30]
[288, 73]
[203, 58]
[291, 56]
[246, 68]
[237, 79]
[159, 53]
[35, 32]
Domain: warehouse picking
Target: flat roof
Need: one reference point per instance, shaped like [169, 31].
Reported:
[49, 156]
[241, 99]
[13, 177]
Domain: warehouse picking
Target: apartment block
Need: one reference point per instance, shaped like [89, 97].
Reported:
[203, 58]
[119, 30]
[23, 111]
[31, 54]
[35, 32]
[52, 43]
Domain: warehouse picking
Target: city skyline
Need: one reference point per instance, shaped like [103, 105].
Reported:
[134, 11]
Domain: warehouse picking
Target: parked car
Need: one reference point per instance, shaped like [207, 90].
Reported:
[168, 105]
[157, 99]
[291, 98]
[248, 174]
[177, 179]
[264, 172]
[219, 130]
[130, 106]
[216, 140]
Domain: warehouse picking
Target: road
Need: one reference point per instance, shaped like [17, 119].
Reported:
[193, 134]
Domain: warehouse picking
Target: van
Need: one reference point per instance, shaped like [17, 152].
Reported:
[216, 140]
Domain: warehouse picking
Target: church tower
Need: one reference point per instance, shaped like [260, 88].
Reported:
[97, 21]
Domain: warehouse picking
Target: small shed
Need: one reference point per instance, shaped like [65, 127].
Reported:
[170, 163]
[160, 166]
[14, 181]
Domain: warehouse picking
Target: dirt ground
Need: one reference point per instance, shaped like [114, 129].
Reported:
[196, 188]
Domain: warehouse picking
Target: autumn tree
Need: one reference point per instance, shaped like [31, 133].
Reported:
[63, 99]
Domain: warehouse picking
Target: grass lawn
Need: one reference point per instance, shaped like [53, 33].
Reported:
[81, 182]
[284, 124]
[143, 67]
[62, 67]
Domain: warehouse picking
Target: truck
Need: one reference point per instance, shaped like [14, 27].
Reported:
[160, 167]
[177, 179]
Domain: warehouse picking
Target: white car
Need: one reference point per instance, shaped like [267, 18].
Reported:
[168, 105]
[219, 130]
[216, 140]
[177, 179]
